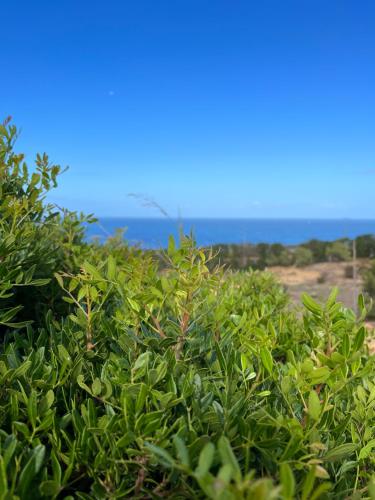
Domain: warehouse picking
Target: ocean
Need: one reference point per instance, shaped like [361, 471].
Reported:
[154, 232]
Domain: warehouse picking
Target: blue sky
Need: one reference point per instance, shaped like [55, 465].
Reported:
[210, 108]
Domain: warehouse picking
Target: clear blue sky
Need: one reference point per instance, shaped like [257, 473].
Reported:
[212, 108]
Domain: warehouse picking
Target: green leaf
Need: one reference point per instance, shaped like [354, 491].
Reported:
[141, 399]
[111, 268]
[361, 304]
[9, 449]
[133, 304]
[40, 282]
[96, 387]
[332, 297]
[206, 458]
[21, 427]
[171, 246]
[182, 451]
[164, 457]
[267, 359]
[81, 383]
[83, 292]
[311, 305]
[63, 354]
[344, 450]
[3, 479]
[346, 345]
[244, 362]
[228, 457]
[220, 357]
[371, 488]
[32, 408]
[142, 361]
[319, 375]
[49, 488]
[366, 450]
[47, 401]
[21, 370]
[59, 280]
[7, 314]
[225, 474]
[314, 406]
[18, 324]
[308, 484]
[56, 467]
[320, 490]
[31, 469]
[90, 269]
[288, 483]
[359, 339]
[73, 285]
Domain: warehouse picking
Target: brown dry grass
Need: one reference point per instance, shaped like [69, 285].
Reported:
[319, 279]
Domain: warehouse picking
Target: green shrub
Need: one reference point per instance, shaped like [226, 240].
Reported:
[338, 251]
[180, 383]
[36, 238]
[318, 249]
[365, 246]
[303, 257]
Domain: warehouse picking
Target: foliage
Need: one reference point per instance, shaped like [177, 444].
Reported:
[238, 257]
[318, 249]
[235, 256]
[181, 383]
[365, 246]
[262, 255]
[303, 257]
[338, 251]
[278, 255]
[36, 238]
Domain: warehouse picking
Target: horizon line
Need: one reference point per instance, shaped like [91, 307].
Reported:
[179, 218]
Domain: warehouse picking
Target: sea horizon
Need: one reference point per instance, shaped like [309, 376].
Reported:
[176, 218]
[153, 232]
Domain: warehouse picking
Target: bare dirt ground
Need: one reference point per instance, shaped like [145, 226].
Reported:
[318, 280]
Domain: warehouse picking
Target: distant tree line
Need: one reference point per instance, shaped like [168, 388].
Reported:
[262, 255]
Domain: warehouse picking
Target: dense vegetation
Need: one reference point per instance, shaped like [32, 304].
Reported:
[263, 255]
[120, 380]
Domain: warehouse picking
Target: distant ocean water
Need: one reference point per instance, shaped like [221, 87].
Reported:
[154, 232]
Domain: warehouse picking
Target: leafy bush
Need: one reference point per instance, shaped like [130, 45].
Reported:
[338, 251]
[278, 255]
[365, 246]
[318, 248]
[180, 383]
[303, 257]
[234, 256]
[36, 238]
[245, 256]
